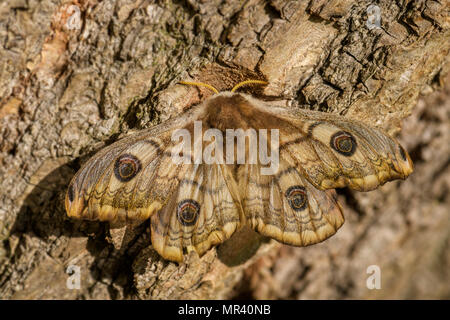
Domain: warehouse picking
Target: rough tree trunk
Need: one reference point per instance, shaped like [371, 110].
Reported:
[76, 75]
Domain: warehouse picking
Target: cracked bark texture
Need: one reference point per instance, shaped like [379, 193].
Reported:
[77, 75]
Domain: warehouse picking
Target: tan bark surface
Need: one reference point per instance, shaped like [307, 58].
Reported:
[77, 75]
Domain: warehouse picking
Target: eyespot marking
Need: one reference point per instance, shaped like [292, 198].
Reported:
[126, 167]
[344, 143]
[296, 196]
[187, 212]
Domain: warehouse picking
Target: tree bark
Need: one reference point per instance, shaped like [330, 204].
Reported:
[77, 75]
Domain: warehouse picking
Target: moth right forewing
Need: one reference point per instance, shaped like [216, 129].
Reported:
[354, 165]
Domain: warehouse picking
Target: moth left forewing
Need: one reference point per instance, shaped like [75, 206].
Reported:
[127, 196]
[82, 185]
[114, 190]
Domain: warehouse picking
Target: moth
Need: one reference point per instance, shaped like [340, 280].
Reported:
[195, 205]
